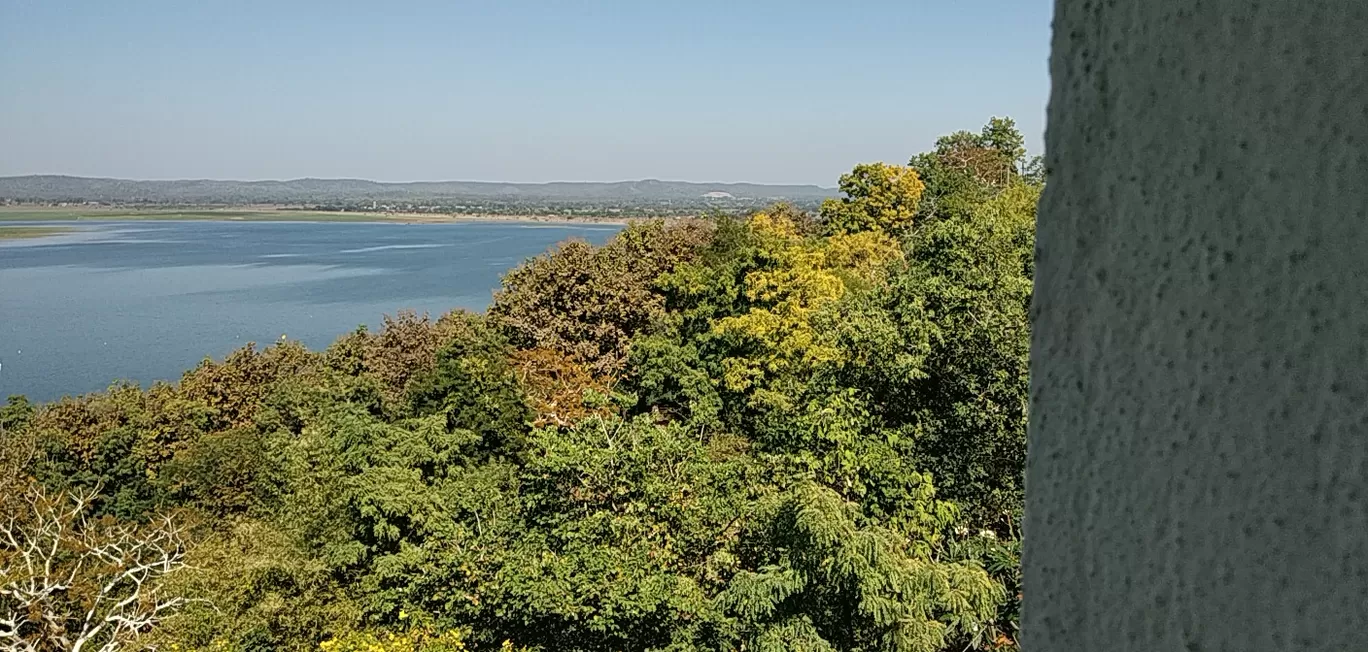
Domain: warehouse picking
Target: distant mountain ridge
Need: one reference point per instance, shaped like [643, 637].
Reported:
[69, 188]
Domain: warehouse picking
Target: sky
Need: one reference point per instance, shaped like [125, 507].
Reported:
[569, 90]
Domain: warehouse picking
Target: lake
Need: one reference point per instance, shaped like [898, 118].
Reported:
[144, 301]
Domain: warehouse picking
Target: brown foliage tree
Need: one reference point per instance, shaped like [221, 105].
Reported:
[404, 349]
[589, 302]
[234, 388]
[559, 389]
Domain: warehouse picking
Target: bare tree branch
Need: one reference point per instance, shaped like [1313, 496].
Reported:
[69, 582]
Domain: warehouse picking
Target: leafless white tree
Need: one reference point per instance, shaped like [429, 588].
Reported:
[73, 583]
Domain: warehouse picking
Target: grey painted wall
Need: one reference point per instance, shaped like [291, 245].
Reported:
[1199, 426]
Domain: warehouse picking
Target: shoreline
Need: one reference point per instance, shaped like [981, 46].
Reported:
[447, 218]
[18, 213]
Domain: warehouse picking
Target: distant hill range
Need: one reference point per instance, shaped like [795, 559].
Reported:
[57, 188]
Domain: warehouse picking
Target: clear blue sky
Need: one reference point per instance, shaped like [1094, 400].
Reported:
[698, 90]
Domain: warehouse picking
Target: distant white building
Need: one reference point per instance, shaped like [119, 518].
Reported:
[717, 195]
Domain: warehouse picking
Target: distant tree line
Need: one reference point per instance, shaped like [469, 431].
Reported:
[594, 209]
[472, 206]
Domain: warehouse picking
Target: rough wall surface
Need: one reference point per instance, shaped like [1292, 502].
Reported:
[1198, 468]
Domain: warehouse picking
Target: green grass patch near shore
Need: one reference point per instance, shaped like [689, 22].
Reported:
[25, 232]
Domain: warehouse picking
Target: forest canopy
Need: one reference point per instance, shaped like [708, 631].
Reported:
[785, 431]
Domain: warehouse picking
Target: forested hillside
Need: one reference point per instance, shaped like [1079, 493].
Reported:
[789, 431]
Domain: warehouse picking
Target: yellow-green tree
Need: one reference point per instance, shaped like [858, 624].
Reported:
[781, 333]
[878, 196]
[416, 640]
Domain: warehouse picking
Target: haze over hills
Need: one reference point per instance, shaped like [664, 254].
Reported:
[59, 188]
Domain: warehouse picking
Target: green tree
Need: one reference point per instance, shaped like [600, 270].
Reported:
[827, 580]
[229, 472]
[967, 168]
[15, 413]
[257, 589]
[626, 536]
[474, 386]
[947, 361]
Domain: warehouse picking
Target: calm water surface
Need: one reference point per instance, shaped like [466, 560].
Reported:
[145, 301]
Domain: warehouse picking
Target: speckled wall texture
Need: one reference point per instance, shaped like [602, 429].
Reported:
[1198, 466]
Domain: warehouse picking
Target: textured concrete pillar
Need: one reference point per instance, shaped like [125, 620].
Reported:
[1198, 464]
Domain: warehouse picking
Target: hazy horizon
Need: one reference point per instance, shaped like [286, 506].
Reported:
[513, 92]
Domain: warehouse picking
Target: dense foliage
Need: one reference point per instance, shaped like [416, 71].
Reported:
[788, 431]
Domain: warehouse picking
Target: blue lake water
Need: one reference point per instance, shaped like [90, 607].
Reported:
[144, 301]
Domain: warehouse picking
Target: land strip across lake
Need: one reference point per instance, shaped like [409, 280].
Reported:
[18, 213]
